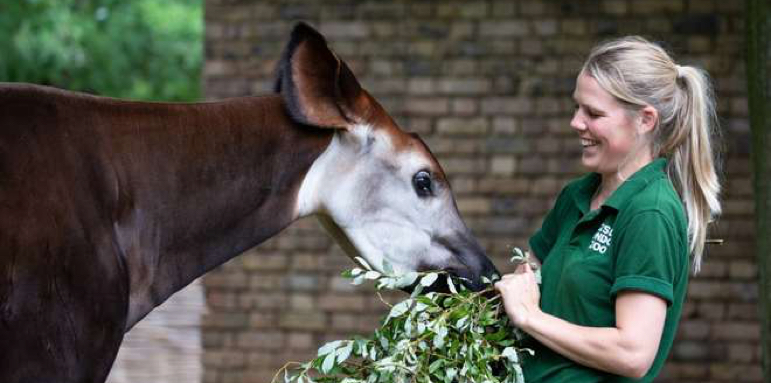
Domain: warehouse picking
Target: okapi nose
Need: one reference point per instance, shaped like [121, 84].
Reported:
[474, 263]
[483, 268]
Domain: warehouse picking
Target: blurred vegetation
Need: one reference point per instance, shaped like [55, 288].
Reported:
[139, 49]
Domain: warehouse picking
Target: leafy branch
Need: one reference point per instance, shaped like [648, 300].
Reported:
[459, 336]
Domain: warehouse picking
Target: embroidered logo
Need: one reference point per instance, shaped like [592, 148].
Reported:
[601, 239]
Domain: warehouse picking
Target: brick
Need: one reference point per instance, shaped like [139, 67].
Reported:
[460, 67]
[235, 280]
[463, 86]
[267, 282]
[742, 352]
[443, 146]
[266, 319]
[274, 261]
[531, 47]
[468, 165]
[712, 311]
[690, 350]
[345, 30]
[262, 300]
[615, 7]
[303, 320]
[302, 301]
[548, 27]
[462, 185]
[545, 187]
[647, 7]
[305, 262]
[748, 331]
[694, 329]
[303, 282]
[464, 106]
[300, 341]
[338, 302]
[503, 185]
[508, 145]
[574, 27]
[503, 165]
[505, 225]
[676, 371]
[743, 311]
[503, 9]
[506, 105]
[735, 372]
[462, 126]
[220, 300]
[741, 270]
[224, 320]
[505, 126]
[261, 340]
[515, 28]
[473, 205]
[227, 359]
[427, 106]
[532, 8]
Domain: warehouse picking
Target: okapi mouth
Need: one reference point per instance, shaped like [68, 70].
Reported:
[441, 285]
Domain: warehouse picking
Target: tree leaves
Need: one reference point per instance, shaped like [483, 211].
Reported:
[463, 336]
[141, 49]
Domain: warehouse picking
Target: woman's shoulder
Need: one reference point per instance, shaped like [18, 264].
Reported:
[660, 197]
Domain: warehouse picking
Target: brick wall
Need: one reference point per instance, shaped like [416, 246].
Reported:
[487, 84]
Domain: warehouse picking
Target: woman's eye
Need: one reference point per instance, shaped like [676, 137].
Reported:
[422, 183]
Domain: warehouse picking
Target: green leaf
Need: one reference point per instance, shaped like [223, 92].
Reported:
[429, 279]
[344, 352]
[451, 286]
[329, 363]
[511, 354]
[329, 347]
[406, 279]
[363, 263]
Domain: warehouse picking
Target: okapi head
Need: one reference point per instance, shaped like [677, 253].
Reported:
[377, 189]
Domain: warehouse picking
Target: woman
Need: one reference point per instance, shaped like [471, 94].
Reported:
[615, 248]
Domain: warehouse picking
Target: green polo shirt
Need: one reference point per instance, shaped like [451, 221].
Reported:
[637, 240]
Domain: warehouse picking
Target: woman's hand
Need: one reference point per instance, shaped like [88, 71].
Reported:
[521, 295]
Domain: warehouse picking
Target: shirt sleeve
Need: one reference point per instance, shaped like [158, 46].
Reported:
[543, 240]
[649, 256]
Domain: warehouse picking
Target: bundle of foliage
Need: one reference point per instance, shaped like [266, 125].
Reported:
[458, 336]
[140, 49]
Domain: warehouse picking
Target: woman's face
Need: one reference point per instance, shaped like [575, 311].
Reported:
[607, 131]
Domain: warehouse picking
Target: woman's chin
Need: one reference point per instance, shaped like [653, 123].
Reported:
[590, 162]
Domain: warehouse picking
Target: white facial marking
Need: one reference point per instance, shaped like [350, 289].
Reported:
[365, 186]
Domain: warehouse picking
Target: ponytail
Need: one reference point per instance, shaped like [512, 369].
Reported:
[640, 73]
[691, 163]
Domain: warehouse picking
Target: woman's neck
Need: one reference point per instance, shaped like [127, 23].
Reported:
[609, 182]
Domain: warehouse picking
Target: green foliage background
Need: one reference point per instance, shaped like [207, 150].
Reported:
[139, 49]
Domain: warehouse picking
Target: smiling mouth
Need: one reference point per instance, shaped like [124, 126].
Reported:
[587, 143]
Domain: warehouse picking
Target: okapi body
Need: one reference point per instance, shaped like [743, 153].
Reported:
[107, 207]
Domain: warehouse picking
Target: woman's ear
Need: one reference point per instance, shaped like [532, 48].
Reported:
[649, 117]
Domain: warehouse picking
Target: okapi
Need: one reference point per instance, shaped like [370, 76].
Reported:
[107, 206]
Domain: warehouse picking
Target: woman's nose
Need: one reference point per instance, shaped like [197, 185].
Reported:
[576, 122]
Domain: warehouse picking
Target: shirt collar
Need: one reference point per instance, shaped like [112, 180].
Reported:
[633, 185]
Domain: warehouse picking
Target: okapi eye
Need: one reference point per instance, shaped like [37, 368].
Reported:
[422, 183]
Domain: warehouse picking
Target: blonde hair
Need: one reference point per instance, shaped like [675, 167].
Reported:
[639, 73]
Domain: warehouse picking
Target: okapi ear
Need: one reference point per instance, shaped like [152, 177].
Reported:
[317, 87]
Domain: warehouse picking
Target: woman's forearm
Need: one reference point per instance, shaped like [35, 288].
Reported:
[602, 348]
